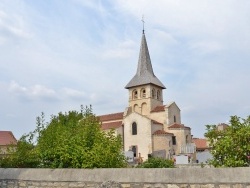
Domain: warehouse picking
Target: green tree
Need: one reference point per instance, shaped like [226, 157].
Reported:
[75, 140]
[156, 162]
[22, 155]
[230, 147]
[70, 140]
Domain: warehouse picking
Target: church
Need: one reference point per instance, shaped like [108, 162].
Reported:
[149, 127]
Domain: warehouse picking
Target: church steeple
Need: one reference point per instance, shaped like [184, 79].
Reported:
[145, 89]
[145, 74]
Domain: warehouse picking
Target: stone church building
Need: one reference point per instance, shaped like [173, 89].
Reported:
[147, 126]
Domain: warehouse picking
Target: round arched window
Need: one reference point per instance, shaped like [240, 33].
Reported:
[134, 128]
[135, 94]
[143, 93]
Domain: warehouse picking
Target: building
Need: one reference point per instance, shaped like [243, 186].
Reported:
[6, 139]
[201, 144]
[147, 126]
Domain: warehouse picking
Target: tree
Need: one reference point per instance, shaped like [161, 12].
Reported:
[75, 140]
[24, 154]
[71, 140]
[156, 162]
[231, 146]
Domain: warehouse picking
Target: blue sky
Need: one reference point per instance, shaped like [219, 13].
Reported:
[56, 55]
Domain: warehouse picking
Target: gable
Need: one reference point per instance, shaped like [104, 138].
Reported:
[172, 105]
[6, 138]
[178, 126]
[136, 117]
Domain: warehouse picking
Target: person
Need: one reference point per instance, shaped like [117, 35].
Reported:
[140, 160]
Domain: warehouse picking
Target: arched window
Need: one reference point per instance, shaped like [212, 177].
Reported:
[135, 94]
[174, 140]
[134, 128]
[153, 93]
[143, 93]
[158, 94]
[144, 108]
[136, 108]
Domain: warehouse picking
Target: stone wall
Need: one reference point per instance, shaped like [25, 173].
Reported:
[129, 177]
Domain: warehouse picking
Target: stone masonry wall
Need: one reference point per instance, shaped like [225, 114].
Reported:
[126, 178]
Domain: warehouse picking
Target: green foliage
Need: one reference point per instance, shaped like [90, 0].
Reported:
[70, 140]
[23, 155]
[156, 162]
[230, 147]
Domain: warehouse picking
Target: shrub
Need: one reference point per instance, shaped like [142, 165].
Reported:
[156, 162]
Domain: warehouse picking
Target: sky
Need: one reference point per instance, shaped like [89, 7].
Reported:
[58, 55]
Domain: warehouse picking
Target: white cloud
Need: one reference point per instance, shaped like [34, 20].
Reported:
[13, 24]
[33, 92]
[206, 47]
[72, 93]
[121, 50]
[16, 88]
[41, 91]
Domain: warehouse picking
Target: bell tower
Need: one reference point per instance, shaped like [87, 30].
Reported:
[145, 89]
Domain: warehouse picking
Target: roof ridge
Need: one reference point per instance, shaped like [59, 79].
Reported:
[161, 132]
[111, 114]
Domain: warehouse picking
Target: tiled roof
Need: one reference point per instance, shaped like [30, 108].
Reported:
[158, 109]
[109, 117]
[200, 143]
[156, 122]
[111, 125]
[178, 126]
[6, 138]
[162, 132]
[145, 73]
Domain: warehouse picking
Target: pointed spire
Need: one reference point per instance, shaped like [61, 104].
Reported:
[144, 63]
[145, 73]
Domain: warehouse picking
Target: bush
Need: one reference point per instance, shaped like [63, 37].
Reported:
[156, 162]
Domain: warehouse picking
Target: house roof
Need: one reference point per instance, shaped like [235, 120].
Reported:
[145, 73]
[111, 125]
[162, 132]
[6, 138]
[178, 126]
[159, 108]
[200, 143]
[110, 117]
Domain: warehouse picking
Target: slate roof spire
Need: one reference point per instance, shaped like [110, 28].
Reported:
[145, 73]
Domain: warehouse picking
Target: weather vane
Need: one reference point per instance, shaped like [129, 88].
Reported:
[143, 22]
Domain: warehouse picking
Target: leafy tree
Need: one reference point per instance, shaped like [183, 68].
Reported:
[230, 147]
[156, 162]
[22, 155]
[75, 140]
[69, 140]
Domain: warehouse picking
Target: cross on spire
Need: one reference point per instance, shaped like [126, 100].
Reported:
[143, 22]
